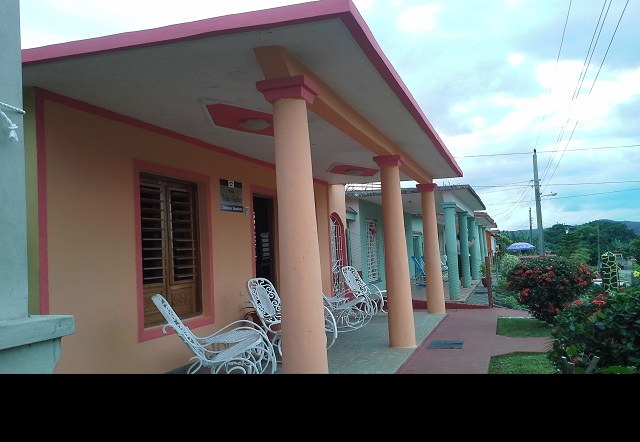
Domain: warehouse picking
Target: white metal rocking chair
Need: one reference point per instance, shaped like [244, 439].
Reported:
[357, 287]
[350, 314]
[239, 347]
[266, 302]
[445, 267]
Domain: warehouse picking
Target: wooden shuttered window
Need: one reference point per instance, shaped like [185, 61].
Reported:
[170, 249]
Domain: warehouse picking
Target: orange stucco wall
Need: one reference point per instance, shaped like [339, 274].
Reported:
[324, 235]
[90, 247]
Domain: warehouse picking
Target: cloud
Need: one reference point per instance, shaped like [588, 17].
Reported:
[515, 59]
[418, 19]
[82, 19]
[496, 79]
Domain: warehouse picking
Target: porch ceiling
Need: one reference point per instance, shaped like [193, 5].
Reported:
[167, 76]
[462, 194]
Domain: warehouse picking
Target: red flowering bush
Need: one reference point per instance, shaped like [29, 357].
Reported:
[546, 285]
[606, 325]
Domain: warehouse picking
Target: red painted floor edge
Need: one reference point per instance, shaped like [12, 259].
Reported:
[476, 327]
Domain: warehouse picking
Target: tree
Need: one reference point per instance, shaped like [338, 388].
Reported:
[595, 238]
[634, 248]
[598, 236]
[618, 246]
[553, 236]
[517, 236]
[503, 242]
[569, 244]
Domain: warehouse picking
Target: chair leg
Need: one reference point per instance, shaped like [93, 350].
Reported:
[331, 327]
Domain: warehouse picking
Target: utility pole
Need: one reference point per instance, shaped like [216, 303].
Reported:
[530, 226]
[536, 185]
[599, 256]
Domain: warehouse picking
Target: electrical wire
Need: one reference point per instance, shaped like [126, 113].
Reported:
[545, 151]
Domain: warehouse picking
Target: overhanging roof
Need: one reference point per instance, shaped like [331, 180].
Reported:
[169, 77]
[462, 194]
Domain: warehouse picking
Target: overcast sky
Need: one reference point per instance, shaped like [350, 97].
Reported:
[496, 79]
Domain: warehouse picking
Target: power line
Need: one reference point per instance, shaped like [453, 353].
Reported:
[568, 184]
[585, 68]
[594, 80]
[577, 196]
[598, 193]
[555, 70]
[545, 151]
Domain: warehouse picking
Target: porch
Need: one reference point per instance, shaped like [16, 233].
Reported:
[367, 350]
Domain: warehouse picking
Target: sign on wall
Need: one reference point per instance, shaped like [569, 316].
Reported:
[230, 196]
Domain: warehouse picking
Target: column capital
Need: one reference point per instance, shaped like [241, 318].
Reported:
[427, 187]
[299, 86]
[448, 205]
[389, 160]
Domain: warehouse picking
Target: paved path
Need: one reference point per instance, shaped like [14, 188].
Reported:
[470, 320]
[476, 329]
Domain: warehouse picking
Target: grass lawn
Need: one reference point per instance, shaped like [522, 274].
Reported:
[523, 328]
[522, 363]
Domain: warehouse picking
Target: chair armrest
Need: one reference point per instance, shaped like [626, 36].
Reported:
[334, 300]
[341, 303]
[234, 332]
[233, 350]
[377, 291]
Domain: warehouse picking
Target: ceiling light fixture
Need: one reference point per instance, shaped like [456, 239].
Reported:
[255, 124]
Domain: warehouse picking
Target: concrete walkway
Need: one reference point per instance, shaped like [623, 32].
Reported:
[470, 325]
[475, 330]
[469, 322]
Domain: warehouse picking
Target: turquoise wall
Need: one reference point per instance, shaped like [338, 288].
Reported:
[369, 210]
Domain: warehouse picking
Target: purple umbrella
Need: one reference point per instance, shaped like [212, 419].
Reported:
[519, 246]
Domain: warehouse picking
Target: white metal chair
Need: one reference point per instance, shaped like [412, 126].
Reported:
[350, 314]
[239, 347]
[445, 267]
[266, 302]
[420, 275]
[358, 287]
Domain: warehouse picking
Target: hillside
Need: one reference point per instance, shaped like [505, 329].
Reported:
[631, 225]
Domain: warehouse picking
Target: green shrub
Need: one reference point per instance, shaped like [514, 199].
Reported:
[546, 285]
[635, 275]
[507, 262]
[602, 325]
[504, 298]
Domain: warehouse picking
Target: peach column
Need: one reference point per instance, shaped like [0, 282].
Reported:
[433, 268]
[337, 202]
[402, 332]
[300, 283]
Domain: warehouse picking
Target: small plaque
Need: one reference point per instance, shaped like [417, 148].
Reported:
[445, 344]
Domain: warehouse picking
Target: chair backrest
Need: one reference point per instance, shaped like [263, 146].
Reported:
[353, 280]
[418, 266]
[266, 301]
[174, 321]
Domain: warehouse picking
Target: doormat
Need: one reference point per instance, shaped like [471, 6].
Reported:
[445, 344]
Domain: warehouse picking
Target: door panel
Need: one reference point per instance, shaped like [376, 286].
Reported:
[263, 219]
